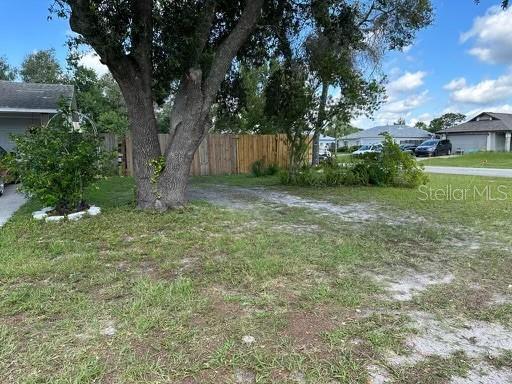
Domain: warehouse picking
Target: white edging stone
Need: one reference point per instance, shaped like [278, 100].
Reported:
[39, 215]
[54, 219]
[94, 211]
[43, 214]
[76, 216]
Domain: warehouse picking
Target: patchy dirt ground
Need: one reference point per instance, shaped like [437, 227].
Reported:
[256, 197]
[404, 287]
[444, 336]
[266, 285]
[433, 336]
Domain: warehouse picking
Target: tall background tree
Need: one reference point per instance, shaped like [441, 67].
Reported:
[421, 125]
[446, 121]
[346, 33]
[158, 48]
[42, 67]
[100, 99]
[7, 72]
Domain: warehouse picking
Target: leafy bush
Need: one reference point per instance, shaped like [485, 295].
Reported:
[260, 169]
[8, 174]
[348, 149]
[56, 163]
[392, 167]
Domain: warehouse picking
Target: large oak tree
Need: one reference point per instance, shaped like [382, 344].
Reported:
[184, 49]
[151, 47]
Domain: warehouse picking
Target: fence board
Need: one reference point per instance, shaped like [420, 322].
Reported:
[228, 154]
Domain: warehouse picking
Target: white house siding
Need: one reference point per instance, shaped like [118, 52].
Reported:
[15, 125]
[500, 142]
[468, 142]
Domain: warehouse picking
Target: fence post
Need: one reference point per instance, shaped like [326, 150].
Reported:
[129, 155]
[204, 164]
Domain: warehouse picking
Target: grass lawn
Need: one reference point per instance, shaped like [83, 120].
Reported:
[475, 160]
[265, 293]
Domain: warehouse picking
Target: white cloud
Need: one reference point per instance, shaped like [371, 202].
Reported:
[485, 92]
[407, 48]
[491, 36]
[396, 109]
[406, 104]
[403, 99]
[424, 117]
[501, 108]
[456, 84]
[471, 112]
[408, 82]
[92, 61]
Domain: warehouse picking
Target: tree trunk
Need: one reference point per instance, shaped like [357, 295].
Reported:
[316, 147]
[146, 147]
[190, 117]
[320, 122]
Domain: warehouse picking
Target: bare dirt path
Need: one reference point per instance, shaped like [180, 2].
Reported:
[251, 198]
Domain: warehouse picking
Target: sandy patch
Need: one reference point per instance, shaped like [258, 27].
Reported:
[404, 287]
[250, 198]
[477, 339]
[378, 375]
[485, 374]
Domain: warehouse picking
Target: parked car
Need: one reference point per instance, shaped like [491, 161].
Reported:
[324, 153]
[434, 147]
[369, 148]
[408, 148]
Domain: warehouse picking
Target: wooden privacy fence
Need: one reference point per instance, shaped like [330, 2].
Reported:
[222, 154]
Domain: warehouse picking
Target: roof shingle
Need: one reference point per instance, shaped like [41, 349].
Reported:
[501, 122]
[396, 131]
[33, 97]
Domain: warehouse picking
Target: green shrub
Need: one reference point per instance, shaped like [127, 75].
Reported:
[260, 169]
[8, 173]
[392, 167]
[348, 149]
[56, 163]
[272, 169]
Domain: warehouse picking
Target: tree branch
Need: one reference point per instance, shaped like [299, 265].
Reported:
[230, 46]
[204, 26]
[84, 21]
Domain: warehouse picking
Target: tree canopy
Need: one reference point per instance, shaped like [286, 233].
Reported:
[446, 121]
[7, 72]
[42, 67]
[421, 125]
[100, 99]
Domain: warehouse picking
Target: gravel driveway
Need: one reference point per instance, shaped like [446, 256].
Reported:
[10, 202]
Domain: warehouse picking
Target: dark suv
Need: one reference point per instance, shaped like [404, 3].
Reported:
[434, 147]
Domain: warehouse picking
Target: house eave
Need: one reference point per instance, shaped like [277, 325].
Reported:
[27, 110]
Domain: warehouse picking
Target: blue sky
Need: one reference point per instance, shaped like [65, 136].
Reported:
[462, 63]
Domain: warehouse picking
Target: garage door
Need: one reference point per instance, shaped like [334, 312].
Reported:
[9, 126]
[469, 143]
